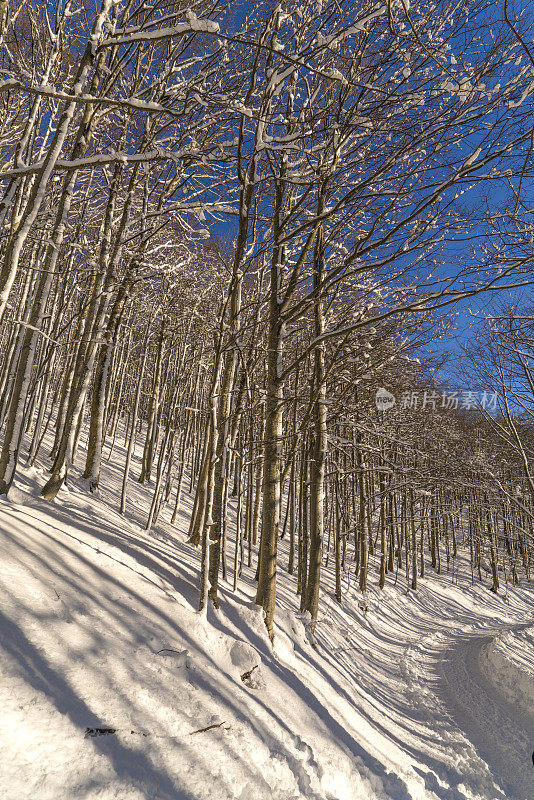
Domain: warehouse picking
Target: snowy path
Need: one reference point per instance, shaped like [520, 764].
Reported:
[480, 701]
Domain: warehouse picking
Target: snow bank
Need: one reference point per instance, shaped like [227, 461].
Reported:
[508, 663]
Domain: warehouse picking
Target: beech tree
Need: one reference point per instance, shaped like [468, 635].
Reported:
[224, 233]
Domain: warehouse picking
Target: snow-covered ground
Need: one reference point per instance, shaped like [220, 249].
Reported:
[491, 696]
[98, 628]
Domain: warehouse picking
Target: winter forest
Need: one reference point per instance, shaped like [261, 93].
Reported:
[267, 400]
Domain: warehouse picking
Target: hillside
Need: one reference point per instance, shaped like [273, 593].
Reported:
[100, 630]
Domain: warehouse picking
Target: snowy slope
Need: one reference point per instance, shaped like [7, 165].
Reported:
[98, 628]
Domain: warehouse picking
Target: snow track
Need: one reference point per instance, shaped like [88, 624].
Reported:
[478, 696]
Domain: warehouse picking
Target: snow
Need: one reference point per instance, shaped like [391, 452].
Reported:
[99, 629]
[192, 24]
[472, 158]
[491, 696]
[507, 666]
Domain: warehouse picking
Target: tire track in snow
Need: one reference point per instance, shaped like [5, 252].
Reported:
[502, 734]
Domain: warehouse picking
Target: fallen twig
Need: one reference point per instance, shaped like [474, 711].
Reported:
[91, 733]
[208, 728]
[246, 675]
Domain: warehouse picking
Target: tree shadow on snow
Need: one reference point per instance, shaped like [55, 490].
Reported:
[129, 764]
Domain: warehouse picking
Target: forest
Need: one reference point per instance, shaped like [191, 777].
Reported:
[265, 284]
